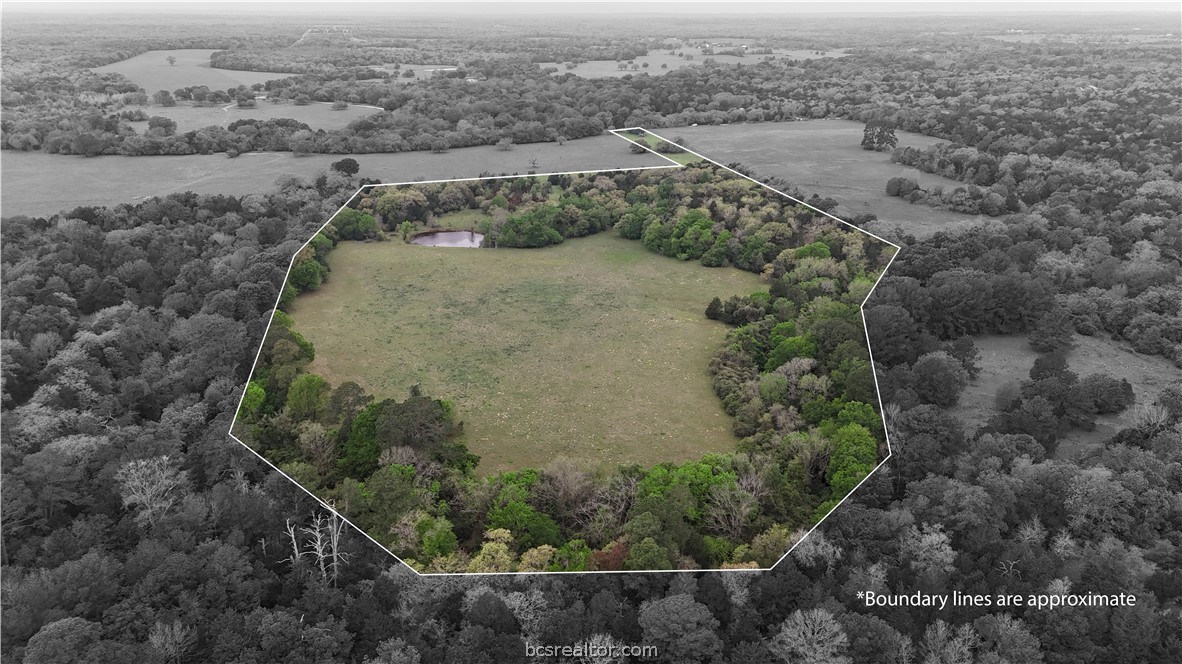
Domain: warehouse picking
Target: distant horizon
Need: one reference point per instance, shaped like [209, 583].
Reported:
[457, 9]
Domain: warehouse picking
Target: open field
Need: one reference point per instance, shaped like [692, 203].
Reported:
[1007, 359]
[825, 157]
[43, 184]
[594, 349]
[152, 72]
[602, 68]
[821, 156]
[317, 115]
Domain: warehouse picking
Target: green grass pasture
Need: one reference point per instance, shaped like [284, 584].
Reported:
[594, 349]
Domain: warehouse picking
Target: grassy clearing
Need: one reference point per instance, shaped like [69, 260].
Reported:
[316, 115]
[33, 181]
[460, 220]
[1007, 359]
[594, 350]
[825, 157]
[152, 72]
[650, 141]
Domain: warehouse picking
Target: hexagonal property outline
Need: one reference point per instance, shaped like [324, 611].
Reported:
[673, 165]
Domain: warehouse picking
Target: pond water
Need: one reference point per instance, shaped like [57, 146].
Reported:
[449, 239]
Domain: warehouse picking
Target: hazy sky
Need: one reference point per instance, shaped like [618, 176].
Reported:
[551, 7]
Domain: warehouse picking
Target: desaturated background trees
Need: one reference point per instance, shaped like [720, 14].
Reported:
[135, 531]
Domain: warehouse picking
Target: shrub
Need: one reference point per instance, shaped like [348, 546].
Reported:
[1107, 394]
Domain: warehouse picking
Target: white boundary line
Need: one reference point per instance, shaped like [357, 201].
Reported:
[748, 177]
[674, 164]
[866, 331]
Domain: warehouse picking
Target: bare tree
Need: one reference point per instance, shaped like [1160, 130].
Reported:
[337, 558]
[943, 644]
[565, 487]
[813, 450]
[44, 346]
[929, 549]
[172, 640]
[812, 636]
[604, 510]
[815, 550]
[620, 495]
[1064, 545]
[318, 446]
[321, 540]
[296, 551]
[153, 485]
[598, 524]
[240, 479]
[400, 455]
[317, 544]
[1032, 532]
[753, 476]
[603, 643]
[729, 509]
[1009, 568]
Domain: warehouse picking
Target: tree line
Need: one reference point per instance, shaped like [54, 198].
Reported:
[794, 374]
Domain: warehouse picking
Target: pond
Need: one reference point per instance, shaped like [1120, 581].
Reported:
[448, 239]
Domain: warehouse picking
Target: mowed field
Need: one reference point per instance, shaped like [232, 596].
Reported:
[152, 72]
[317, 115]
[43, 184]
[603, 68]
[594, 350]
[1007, 360]
[825, 157]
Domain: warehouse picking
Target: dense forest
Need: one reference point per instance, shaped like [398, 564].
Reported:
[134, 529]
[955, 96]
[793, 373]
[327, 51]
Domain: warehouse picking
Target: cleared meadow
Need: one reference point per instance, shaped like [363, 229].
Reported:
[594, 350]
[825, 157]
[317, 115]
[35, 183]
[1007, 360]
[152, 72]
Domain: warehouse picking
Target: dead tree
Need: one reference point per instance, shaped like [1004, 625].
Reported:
[321, 539]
